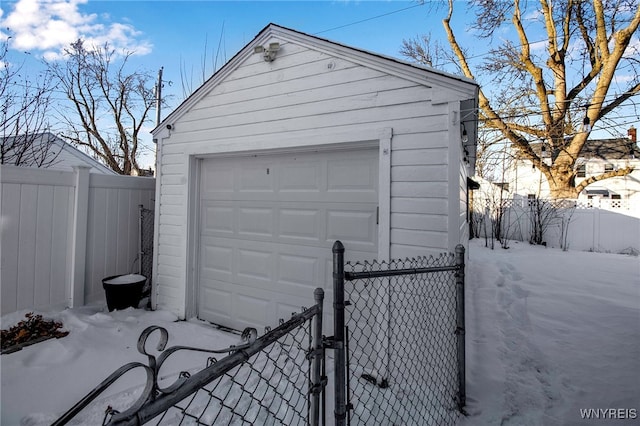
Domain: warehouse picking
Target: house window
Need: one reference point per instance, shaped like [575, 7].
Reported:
[503, 185]
[608, 167]
[582, 171]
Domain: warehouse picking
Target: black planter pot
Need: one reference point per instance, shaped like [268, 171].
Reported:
[123, 291]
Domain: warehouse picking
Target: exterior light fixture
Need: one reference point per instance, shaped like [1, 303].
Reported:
[465, 136]
[465, 140]
[586, 123]
[268, 53]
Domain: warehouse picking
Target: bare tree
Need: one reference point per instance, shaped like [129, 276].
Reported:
[425, 50]
[566, 209]
[109, 105]
[24, 105]
[207, 66]
[552, 91]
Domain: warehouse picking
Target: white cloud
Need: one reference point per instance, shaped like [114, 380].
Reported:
[623, 78]
[49, 26]
[633, 50]
[539, 46]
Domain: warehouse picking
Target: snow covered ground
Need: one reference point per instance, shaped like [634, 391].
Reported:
[549, 333]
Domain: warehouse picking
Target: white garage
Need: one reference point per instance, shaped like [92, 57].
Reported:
[295, 143]
[267, 224]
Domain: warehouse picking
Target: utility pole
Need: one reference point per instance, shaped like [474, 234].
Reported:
[159, 96]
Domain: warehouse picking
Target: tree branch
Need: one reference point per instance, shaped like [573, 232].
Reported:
[592, 179]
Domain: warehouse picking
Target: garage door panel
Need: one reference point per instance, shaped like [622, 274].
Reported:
[353, 175]
[299, 272]
[217, 180]
[255, 221]
[266, 244]
[300, 224]
[218, 219]
[216, 301]
[355, 226]
[217, 262]
[255, 264]
[300, 177]
[252, 309]
[256, 177]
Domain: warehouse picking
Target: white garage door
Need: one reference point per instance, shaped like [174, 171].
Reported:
[267, 225]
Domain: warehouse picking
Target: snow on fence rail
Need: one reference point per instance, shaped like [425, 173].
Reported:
[63, 232]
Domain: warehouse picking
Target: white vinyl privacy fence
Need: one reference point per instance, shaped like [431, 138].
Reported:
[601, 225]
[63, 232]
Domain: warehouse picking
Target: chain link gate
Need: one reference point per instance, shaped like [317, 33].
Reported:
[399, 339]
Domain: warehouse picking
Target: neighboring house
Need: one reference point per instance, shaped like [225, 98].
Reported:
[597, 156]
[295, 143]
[56, 154]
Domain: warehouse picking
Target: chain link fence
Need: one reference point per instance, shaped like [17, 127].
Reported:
[145, 254]
[404, 341]
[270, 388]
[398, 355]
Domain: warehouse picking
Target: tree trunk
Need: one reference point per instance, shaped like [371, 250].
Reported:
[561, 178]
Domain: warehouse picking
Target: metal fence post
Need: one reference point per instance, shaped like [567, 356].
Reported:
[460, 327]
[318, 359]
[141, 238]
[340, 410]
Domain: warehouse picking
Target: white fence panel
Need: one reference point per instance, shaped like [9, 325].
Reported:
[113, 228]
[63, 232]
[597, 225]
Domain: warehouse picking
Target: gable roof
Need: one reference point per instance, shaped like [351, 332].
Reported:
[610, 149]
[59, 154]
[430, 77]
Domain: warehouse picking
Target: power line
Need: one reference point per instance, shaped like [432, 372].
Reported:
[369, 19]
[531, 110]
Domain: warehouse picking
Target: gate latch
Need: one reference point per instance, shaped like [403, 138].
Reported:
[330, 343]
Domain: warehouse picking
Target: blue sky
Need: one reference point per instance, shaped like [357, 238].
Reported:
[177, 34]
